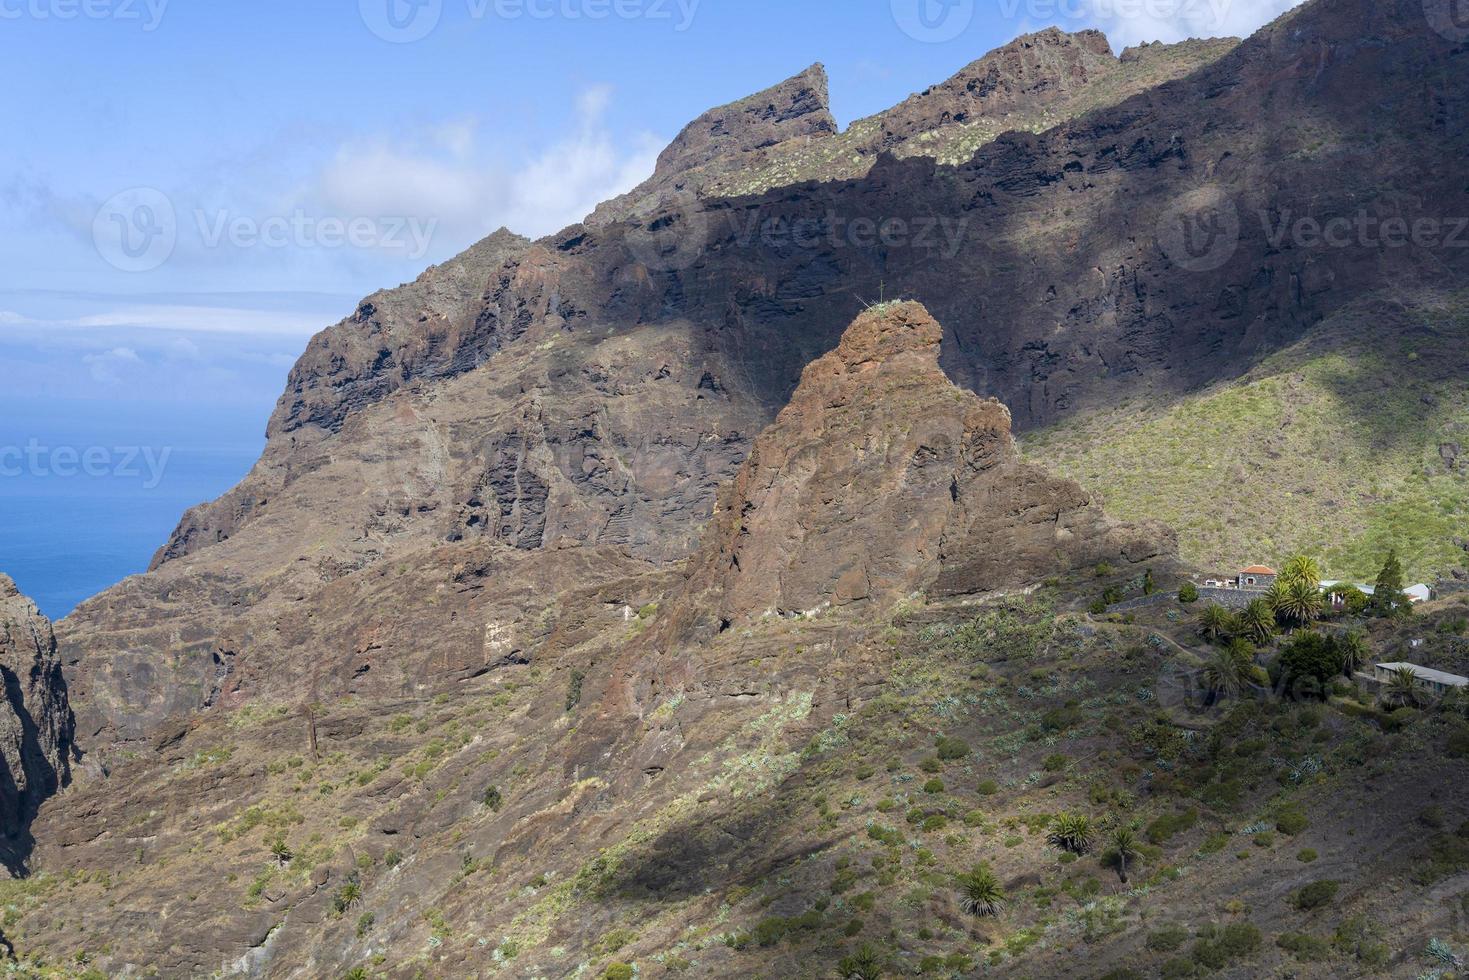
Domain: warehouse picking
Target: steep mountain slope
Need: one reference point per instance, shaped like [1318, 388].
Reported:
[604, 742]
[35, 722]
[611, 377]
[1348, 444]
[435, 692]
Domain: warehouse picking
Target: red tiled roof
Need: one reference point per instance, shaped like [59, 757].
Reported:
[1258, 570]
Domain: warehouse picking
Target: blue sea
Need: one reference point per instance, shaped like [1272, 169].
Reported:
[89, 490]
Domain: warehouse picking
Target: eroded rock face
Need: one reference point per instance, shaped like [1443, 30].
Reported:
[798, 107]
[35, 721]
[882, 478]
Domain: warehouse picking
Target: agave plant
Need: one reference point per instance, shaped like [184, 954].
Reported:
[1124, 842]
[1072, 832]
[980, 892]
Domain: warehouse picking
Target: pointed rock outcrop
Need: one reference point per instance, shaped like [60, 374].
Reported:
[35, 721]
[882, 478]
[796, 108]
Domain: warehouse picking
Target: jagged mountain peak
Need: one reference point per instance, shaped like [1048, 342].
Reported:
[798, 107]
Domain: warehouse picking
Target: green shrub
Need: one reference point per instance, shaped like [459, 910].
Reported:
[1265, 838]
[1165, 827]
[1214, 843]
[1220, 947]
[364, 924]
[987, 787]
[1315, 895]
[933, 786]
[1167, 939]
[1054, 763]
[492, 798]
[951, 749]
[1188, 594]
[1307, 949]
[865, 964]
[619, 971]
[931, 765]
[1179, 969]
[1291, 821]
[1060, 719]
[573, 689]
[1307, 856]
[935, 822]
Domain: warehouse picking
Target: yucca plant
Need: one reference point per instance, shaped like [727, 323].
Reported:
[865, 964]
[1124, 842]
[1072, 832]
[980, 892]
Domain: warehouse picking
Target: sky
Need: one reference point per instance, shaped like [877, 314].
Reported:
[190, 188]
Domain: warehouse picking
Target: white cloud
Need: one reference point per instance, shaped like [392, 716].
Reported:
[1129, 22]
[447, 174]
[110, 367]
[192, 319]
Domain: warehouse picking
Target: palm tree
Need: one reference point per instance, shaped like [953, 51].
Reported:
[1353, 648]
[1296, 602]
[1215, 622]
[1301, 568]
[1124, 842]
[1072, 832]
[1256, 622]
[1403, 689]
[1224, 675]
[980, 892]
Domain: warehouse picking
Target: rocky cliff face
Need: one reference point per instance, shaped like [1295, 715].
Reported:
[881, 479]
[35, 722]
[592, 390]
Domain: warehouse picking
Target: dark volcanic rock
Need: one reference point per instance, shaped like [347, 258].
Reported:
[796, 108]
[35, 721]
[881, 479]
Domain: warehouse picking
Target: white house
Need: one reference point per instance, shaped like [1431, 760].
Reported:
[1437, 681]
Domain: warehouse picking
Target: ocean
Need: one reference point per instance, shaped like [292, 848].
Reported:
[89, 490]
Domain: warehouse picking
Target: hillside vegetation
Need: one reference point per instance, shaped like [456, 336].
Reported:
[1342, 445]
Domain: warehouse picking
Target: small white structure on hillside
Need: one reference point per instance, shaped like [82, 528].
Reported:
[1437, 681]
